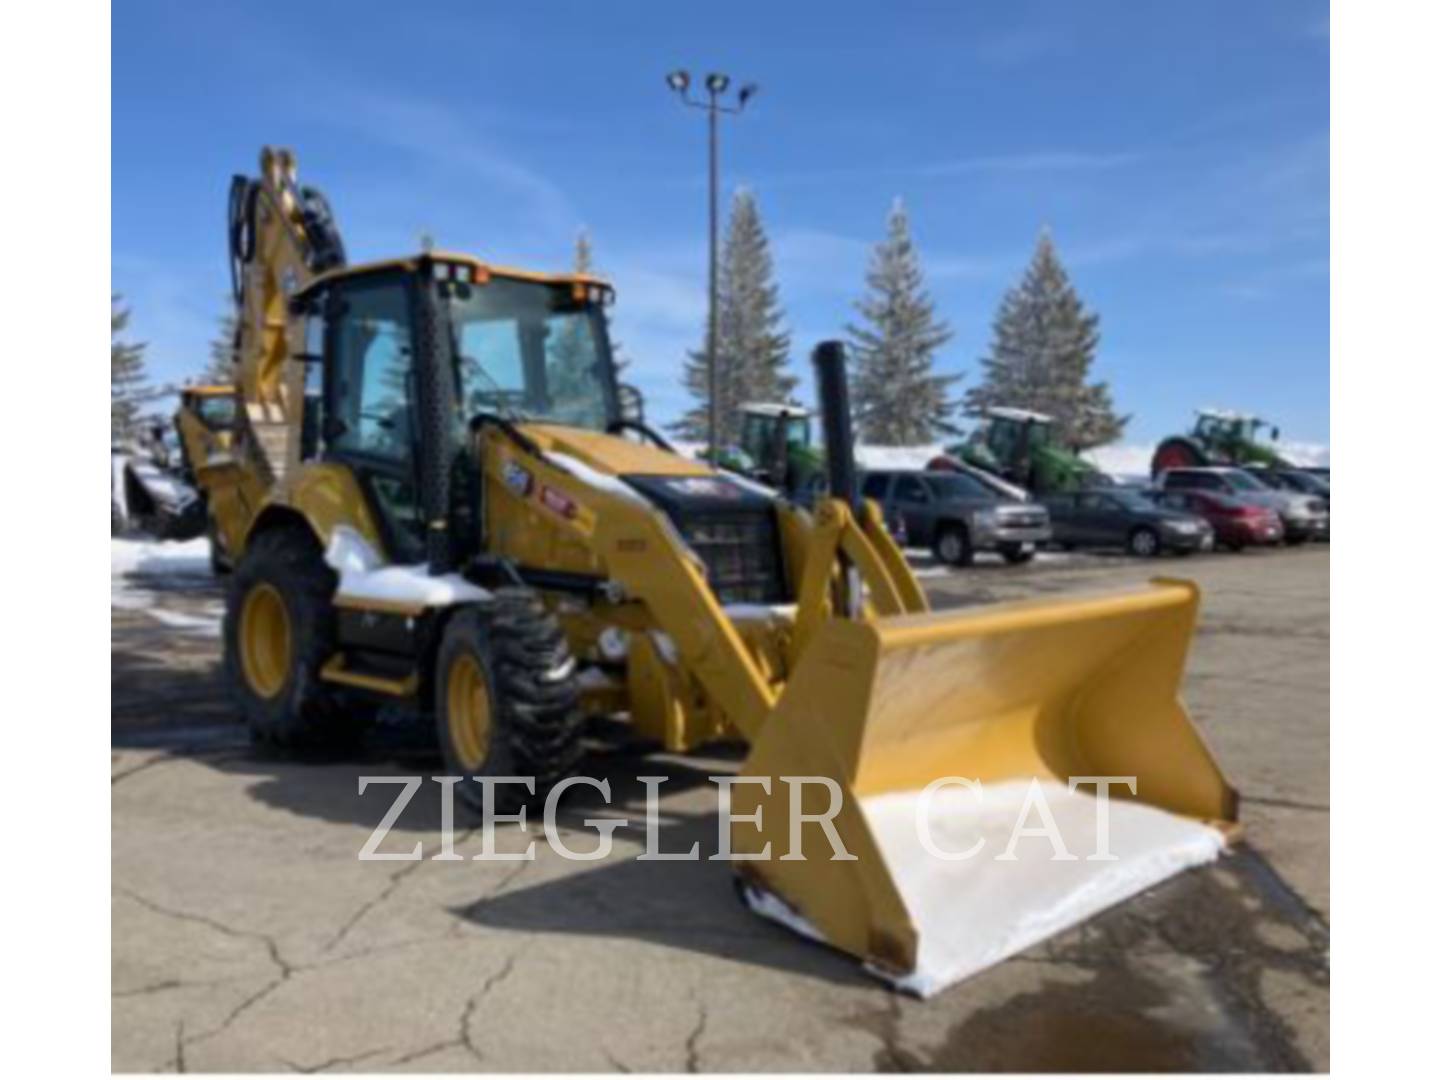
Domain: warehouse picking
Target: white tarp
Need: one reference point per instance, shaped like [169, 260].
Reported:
[974, 912]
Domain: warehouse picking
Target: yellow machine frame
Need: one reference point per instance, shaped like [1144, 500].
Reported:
[857, 681]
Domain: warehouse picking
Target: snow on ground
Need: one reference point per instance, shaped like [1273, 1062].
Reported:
[143, 571]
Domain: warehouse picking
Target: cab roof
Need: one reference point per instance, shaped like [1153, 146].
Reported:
[772, 408]
[1005, 412]
[481, 270]
[1229, 414]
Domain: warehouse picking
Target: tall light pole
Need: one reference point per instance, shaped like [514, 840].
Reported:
[715, 86]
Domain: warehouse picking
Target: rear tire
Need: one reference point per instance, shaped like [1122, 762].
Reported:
[952, 546]
[1178, 452]
[1144, 543]
[507, 697]
[279, 630]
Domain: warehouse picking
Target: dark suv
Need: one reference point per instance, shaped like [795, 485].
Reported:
[955, 515]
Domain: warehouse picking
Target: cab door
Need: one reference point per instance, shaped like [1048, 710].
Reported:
[916, 508]
[370, 422]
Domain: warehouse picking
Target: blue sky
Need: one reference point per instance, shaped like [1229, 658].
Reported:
[1179, 153]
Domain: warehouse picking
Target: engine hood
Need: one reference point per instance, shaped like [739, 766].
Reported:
[613, 455]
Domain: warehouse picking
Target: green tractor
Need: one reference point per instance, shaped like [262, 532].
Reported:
[1019, 446]
[777, 448]
[1219, 438]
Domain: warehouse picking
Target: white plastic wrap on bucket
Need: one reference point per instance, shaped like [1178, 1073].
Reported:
[975, 912]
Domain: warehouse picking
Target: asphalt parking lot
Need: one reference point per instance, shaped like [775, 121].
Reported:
[248, 936]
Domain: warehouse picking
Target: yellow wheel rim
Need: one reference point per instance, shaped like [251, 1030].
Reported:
[467, 710]
[265, 640]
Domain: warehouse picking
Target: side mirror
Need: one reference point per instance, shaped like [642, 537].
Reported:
[1274, 434]
[632, 403]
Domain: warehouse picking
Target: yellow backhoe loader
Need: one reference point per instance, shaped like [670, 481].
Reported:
[433, 496]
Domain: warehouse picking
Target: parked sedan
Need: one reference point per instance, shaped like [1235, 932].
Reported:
[956, 515]
[1304, 516]
[1121, 518]
[1238, 524]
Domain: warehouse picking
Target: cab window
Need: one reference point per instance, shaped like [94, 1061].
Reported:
[909, 489]
[875, 485]
[373, 386]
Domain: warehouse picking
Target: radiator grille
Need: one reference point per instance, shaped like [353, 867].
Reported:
[741, 553]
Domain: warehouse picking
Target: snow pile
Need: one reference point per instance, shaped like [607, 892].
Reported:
[896, 457]
[973, 912]
[141, 571]
[1123, 461]
[1132, 460]
[364, 575]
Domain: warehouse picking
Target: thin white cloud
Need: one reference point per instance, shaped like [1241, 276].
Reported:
[1020, 45]
[1038, 161]
[459, 155]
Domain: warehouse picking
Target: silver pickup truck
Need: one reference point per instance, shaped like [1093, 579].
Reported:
[956, 515]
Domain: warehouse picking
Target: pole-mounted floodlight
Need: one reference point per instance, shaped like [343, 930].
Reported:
[716, 83]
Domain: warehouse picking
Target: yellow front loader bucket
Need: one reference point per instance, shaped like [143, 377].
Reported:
[1016, 699]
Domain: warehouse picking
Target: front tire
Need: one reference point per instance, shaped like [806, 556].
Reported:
[1016, 554]
[952, 546]
[279, 630]
[507, 696]
[1144, 543]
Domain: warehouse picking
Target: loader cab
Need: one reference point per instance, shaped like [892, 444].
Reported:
[520, 348]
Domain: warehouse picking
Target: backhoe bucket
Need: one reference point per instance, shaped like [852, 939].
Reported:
[1018, 700]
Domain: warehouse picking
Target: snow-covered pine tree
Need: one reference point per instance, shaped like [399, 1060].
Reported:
[127, 375]
[898, 398]
[753, 348]
[1043, 346]
[220, 368]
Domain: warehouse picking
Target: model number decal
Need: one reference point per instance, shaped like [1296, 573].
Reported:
[516, 478]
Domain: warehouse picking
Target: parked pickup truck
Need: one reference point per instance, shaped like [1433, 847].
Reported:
[956, 515]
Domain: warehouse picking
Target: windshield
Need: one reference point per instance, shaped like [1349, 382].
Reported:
[216, 411]
[797, 431]
[957, 486]
[1132, 500]
[1303, 481]
[1243, 481]
[531, 351]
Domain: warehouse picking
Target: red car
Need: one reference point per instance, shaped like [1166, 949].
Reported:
[1237, 523]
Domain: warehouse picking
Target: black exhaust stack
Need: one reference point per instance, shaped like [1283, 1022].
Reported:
[833, 391]
[435, 401]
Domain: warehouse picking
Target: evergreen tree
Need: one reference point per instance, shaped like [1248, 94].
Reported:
[898, 399]
[220, 369]
[571, 350]
[1040, 356]
[752, 346]
[127, 375]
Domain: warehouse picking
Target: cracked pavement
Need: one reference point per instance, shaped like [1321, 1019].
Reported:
[247, 936]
